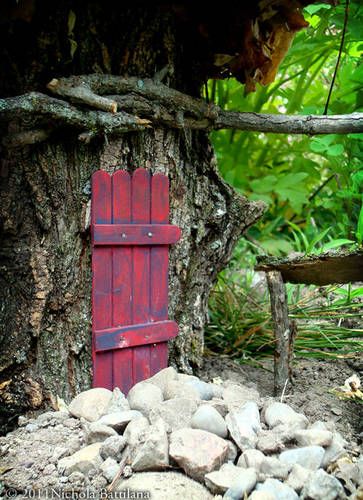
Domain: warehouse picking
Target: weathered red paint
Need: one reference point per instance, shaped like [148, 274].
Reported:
[140, 234]
[130, 238]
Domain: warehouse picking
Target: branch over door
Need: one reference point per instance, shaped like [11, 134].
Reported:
[130, 238]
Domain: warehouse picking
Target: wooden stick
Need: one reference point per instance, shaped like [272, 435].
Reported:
[282, 329]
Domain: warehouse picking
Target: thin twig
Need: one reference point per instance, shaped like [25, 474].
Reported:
[339, 56]
[284, 390]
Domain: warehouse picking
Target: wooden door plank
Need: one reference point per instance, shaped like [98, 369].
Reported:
[138, 234]
[101, 279]
[122, 271]
[120, 337]
[141, 271]
[159, 263]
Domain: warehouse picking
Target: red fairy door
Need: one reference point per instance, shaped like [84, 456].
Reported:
[130, 238]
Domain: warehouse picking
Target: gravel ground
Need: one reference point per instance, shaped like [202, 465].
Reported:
[312, 382]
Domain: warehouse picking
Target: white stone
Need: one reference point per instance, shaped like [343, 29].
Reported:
[109, 469]
[119, 419]
[136, 431]
[163, 377]
[176, 413]
[177, 389]
[208, 419]
[204, 389]
[251, 458]
[82, 461]
[221, 480]
[98, 432]
[334, 451]
[310, 437]
[273, 467]
[280, 413]
[118, 402]
[197, 452]
[164, 486]
[243, 425]
[261, 495]
[242, 485]
[298, 477]
[144, 396]
[322, 486]
[153, 454]
[280, 491]
[218, 404]
[237, 395]
[112, 447]
[232, 451]
[269, 442]
[91, 404]
[308, 456]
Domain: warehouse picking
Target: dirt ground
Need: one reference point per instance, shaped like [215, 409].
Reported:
[310, 394]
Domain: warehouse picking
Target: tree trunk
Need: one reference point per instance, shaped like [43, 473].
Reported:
[45, 288]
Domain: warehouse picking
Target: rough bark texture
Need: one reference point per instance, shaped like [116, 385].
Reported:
[45, 322]
[283, 331]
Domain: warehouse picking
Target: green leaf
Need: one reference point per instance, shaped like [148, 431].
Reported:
[336, 244]
[264, 185]
[335, 150]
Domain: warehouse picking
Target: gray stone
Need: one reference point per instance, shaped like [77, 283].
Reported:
[109, 469]
[280, 413]
[269, 442]
[118, 402]
[82, 461]
[91, 404]
[136, 431]
[298, 477]
[144, 396]
[153, 454]
[251, 458]
[322, 486]
[197, 452]
[237, 395]
[163, 377]
[208, 419]
[229, 475]
[334, 451]
[311, 437]
[176, 413]
[164, 486]
[112, 447]
[243, 483]
[76, 477]
[119, 420]
[49, 469]
[273, 467]
[243, 425]
[308, 456]
[280, 491]
[98, 432]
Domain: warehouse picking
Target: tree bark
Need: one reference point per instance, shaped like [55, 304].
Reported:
[45, 288]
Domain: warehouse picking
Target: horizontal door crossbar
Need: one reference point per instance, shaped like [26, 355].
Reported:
[135, 234]
[134, 335]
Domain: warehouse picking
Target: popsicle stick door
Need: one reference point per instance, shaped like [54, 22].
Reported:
[131, 235]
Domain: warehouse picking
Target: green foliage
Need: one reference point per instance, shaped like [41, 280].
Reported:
[312, 185]
[240, 320]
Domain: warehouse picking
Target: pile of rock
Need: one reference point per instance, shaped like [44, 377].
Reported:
[223, 436]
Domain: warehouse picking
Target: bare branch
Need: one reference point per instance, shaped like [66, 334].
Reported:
[146, 102]
[63, 113]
